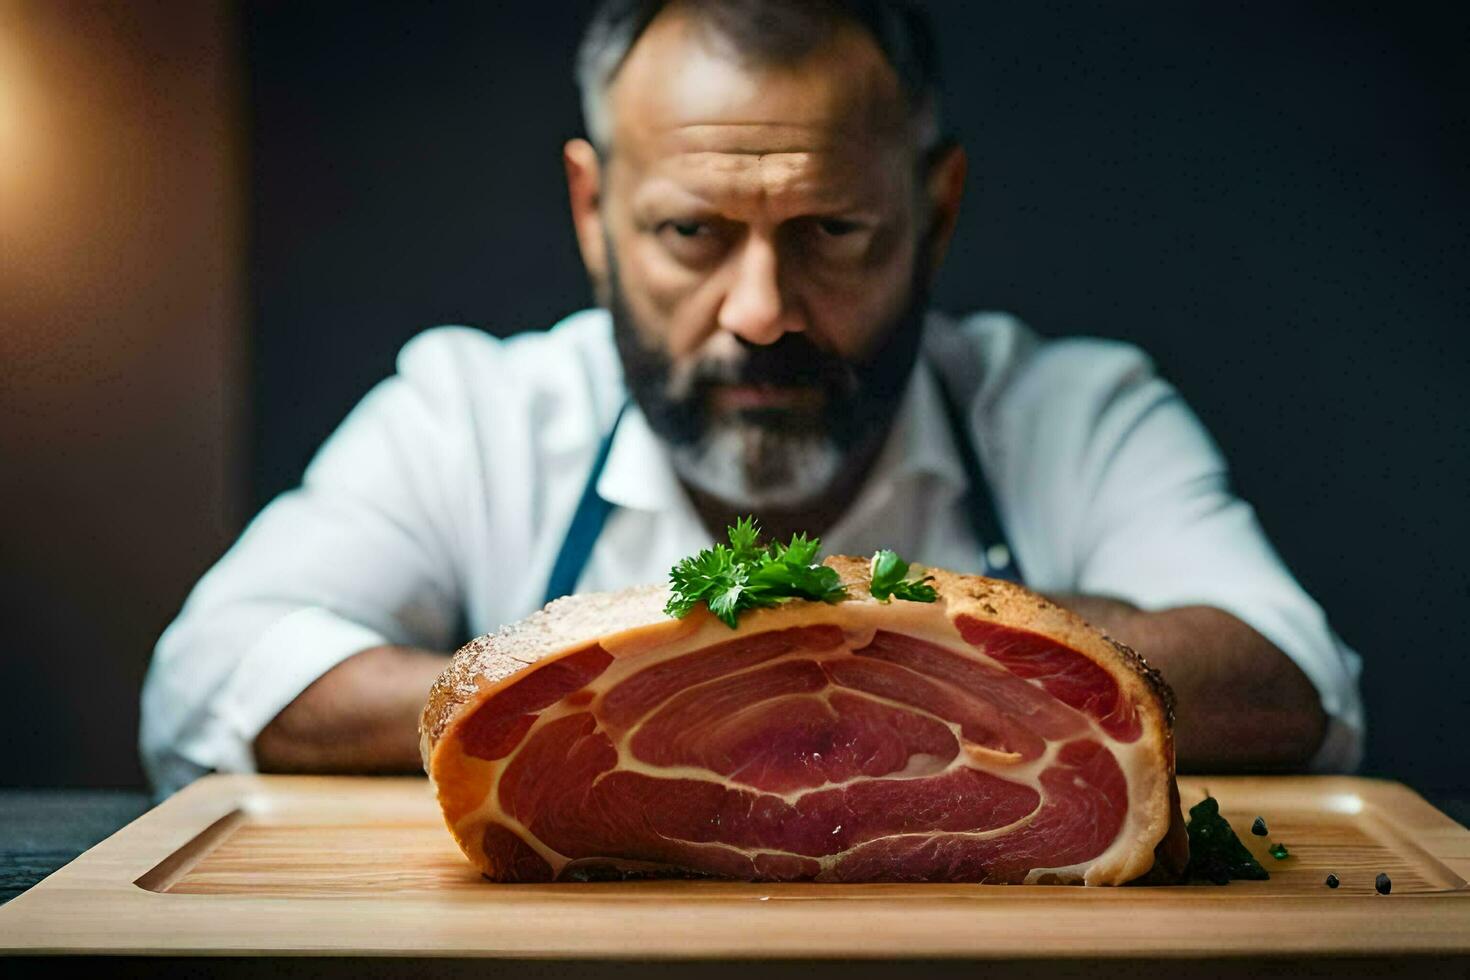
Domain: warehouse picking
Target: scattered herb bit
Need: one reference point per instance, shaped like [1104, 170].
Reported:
[1279, 851]
[888, 571]
[1383, 883]
[746, 576]
[1215, 853]
[1259, 827]
[1332, 881]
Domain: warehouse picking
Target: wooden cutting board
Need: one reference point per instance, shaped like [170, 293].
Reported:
[362, 866]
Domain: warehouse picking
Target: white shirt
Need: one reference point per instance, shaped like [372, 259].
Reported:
[449, 488]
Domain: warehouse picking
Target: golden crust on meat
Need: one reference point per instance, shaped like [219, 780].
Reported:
[571, 622]
[1016, 606]
[566, 623]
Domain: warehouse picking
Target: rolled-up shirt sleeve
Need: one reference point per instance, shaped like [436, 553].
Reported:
[1159, 526]
[360, 555]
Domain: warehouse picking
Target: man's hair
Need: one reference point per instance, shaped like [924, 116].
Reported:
[767, 32]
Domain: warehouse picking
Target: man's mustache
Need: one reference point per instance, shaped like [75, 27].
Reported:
[792, 361]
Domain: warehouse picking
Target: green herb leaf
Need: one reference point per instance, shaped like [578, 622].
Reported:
[1279, 851]
[1215, 853]
[801, 551]
[743, 538]
[888, 571]
[729, 580]
[917, 591]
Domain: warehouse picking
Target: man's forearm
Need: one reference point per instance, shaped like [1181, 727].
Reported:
[360, 716]
[1240, 702]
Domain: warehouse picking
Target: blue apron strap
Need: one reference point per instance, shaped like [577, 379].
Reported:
[587, 522]
[998, 557]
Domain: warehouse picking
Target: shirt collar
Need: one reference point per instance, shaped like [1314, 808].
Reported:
[638, 474]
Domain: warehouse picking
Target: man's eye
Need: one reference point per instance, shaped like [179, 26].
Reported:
[836, 241]
[836, 227]
[694, 243]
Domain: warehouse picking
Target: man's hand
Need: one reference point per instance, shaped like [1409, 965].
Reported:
[1241, 704]
[360, 716]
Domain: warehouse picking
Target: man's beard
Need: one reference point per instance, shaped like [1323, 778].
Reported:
[769, 457]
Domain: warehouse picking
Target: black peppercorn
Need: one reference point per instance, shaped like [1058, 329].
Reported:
[1259, 827]
[1383, 883]
[1332, 881]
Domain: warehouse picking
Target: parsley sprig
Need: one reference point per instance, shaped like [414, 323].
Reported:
[1215, 853]
[746, 576]
[888, 571]
[743, 575]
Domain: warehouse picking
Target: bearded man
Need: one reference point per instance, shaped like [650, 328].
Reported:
[762, 202]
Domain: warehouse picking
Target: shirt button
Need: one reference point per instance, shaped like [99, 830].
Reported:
[998, 556]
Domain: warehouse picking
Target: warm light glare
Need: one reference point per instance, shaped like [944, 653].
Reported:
[9, 128]
[13, 103]
[24, 184]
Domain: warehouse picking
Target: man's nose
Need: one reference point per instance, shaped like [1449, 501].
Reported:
[755, 309]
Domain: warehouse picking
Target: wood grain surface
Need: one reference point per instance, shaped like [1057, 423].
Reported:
[362, 866]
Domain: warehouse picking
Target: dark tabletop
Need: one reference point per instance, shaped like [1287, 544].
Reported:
[43, 829]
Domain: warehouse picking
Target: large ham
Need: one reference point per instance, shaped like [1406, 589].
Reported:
[989, 736]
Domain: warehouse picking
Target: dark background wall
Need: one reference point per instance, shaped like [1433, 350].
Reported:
[1270, 198]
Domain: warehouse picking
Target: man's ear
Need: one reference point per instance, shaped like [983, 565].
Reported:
[945, 187]
[584, 188]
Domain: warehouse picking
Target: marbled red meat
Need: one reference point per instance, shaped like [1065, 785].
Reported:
[988, 737]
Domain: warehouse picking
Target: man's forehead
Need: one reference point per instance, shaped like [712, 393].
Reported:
[682, 91]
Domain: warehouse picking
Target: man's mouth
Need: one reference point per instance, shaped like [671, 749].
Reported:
[725, 398]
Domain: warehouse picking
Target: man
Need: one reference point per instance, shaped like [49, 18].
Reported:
[761, 206]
